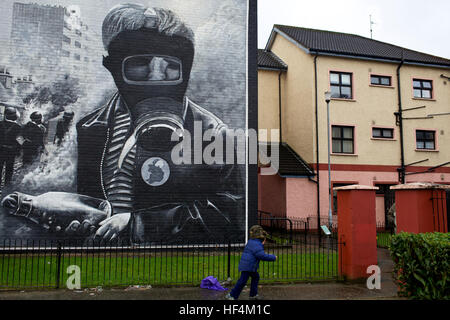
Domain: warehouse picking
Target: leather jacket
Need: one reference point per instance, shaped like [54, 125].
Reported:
[197, 202]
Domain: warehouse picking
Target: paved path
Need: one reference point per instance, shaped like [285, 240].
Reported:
[326, 291]
[313, 291]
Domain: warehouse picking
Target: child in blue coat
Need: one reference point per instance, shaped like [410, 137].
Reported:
[249, 264]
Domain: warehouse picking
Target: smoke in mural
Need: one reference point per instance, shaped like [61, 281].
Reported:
[112, 118]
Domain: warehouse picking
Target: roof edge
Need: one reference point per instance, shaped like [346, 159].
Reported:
[299, 158]
[379, 59]
[314, 51]
[272, 69]
[282, 66]
[308, 171]
[287, 37]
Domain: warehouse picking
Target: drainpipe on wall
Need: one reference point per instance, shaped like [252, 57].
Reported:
[279, 105]
[317, 142]
[399, 115]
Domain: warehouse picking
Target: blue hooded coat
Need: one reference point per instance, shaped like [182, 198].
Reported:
[253, 253]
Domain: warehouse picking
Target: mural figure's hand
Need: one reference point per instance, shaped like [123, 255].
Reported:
[75, 227]
[113, 226]
[59, 212]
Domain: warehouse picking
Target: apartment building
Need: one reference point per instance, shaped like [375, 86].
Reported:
[46, 38]
[389, 120]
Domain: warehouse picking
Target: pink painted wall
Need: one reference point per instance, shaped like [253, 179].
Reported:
[371, 178]
[272, 194]
[301, 198]
[289, 197]
[438, 178]
[379, 208]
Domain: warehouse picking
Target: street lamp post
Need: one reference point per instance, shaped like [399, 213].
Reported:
[330, 215]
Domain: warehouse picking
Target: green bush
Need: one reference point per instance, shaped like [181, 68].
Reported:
[422, 264]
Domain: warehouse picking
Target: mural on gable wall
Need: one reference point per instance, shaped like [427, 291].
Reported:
[94, 99]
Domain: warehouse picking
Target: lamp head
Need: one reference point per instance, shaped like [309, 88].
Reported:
[328, 96]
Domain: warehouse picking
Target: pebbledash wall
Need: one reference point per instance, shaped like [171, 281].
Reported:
[375, 161]
[112, 176]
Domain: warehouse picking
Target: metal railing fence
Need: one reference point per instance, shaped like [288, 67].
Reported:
[45, 263]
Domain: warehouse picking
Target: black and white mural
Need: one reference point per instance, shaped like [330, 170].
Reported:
[118, 120]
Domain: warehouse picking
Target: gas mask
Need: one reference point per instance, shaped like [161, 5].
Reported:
[152, 69]
[151, 72]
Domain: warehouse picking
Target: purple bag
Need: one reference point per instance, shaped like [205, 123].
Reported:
[211, 283]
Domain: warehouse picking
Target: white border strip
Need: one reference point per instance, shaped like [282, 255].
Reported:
[246, 123]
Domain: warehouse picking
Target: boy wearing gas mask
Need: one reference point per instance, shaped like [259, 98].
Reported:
[124, 148]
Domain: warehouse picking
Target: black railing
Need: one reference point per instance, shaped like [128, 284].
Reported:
[324, 221]
[45, 264]
[297, 229]
[448, 209]
[279, 229]
[293, 230]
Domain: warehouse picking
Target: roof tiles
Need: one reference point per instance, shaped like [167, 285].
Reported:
[349, 44]
[269, 60]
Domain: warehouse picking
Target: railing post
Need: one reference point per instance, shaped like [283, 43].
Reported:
[447, 200]
[229, 261]
[306, 232]
[290, 233]
[340, 244]
[58, 269]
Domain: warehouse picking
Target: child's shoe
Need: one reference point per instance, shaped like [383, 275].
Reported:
[229, 297]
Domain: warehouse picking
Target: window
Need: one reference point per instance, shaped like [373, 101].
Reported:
[77, 56]
[341, 85]
[77, 44]
[67, 26]
[423, 88]
[343, 140]
[425, 140]
[381, 80]
[65, 53]
[66, 39]
[382, 133]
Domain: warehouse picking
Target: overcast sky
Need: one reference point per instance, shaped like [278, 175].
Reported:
[414, 24]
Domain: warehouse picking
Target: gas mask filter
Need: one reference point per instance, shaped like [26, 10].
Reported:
[154, 129]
